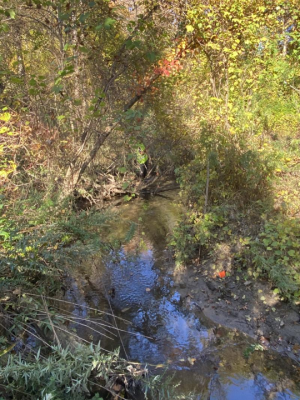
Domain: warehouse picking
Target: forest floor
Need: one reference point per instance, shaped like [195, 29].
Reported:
[248, 306]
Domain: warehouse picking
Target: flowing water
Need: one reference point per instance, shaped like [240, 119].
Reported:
[138, 283]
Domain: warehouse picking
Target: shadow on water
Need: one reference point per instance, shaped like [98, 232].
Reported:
[137, 283]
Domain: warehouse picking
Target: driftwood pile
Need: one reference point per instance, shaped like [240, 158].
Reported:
[111, 191]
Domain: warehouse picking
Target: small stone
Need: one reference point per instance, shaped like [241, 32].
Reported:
[247, 283]
[211, 286]
[233, 313]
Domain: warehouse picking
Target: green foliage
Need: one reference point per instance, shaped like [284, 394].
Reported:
[97, 397]
[276, 253]
[251, 349]
[196, 230]
[56, 238]
[65, 373]
[235, 174]
[234, 170]
[223, 109]
[239, 124]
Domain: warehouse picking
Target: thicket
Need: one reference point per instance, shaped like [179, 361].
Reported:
[208, 89]
[241, 115]
[71, 76]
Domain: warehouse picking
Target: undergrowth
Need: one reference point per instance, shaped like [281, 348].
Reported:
[40, 358]
[63, 374]
[252, 206]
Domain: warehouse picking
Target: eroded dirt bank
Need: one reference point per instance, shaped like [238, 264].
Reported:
[247, 306]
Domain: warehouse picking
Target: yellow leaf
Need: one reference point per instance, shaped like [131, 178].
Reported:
[5, 117]
[189, 28]
[8, 349]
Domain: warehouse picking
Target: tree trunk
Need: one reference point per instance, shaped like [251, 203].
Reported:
[76, 169]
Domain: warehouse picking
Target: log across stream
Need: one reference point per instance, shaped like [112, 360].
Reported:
[140, 283]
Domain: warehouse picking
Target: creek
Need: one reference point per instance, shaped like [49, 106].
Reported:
[139, 283]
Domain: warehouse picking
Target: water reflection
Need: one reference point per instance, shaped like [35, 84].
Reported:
[136, 281]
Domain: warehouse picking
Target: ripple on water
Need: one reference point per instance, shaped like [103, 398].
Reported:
[212, 364]
[131, 278]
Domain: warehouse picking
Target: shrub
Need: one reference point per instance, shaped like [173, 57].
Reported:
[276, 253]
[64, 374]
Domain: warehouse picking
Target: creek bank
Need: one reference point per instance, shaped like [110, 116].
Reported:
[172, 314]
[248, 306]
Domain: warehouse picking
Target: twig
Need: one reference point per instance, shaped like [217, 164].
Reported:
[296, 90]
[79, 305]
[6, 387]
[126, 355]
[206, 199]
[73, 320]
[102, 324]
[207, 187]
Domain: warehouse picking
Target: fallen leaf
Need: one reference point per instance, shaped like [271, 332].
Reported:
[17, 291]
[8, 349]
[296, 348]
[222, 274]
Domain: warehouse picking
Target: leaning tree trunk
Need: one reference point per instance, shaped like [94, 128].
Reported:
[76, 169]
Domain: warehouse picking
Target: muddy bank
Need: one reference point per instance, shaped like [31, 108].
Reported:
[249, 306]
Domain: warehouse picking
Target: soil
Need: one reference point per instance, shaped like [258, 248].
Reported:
[248, 306]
